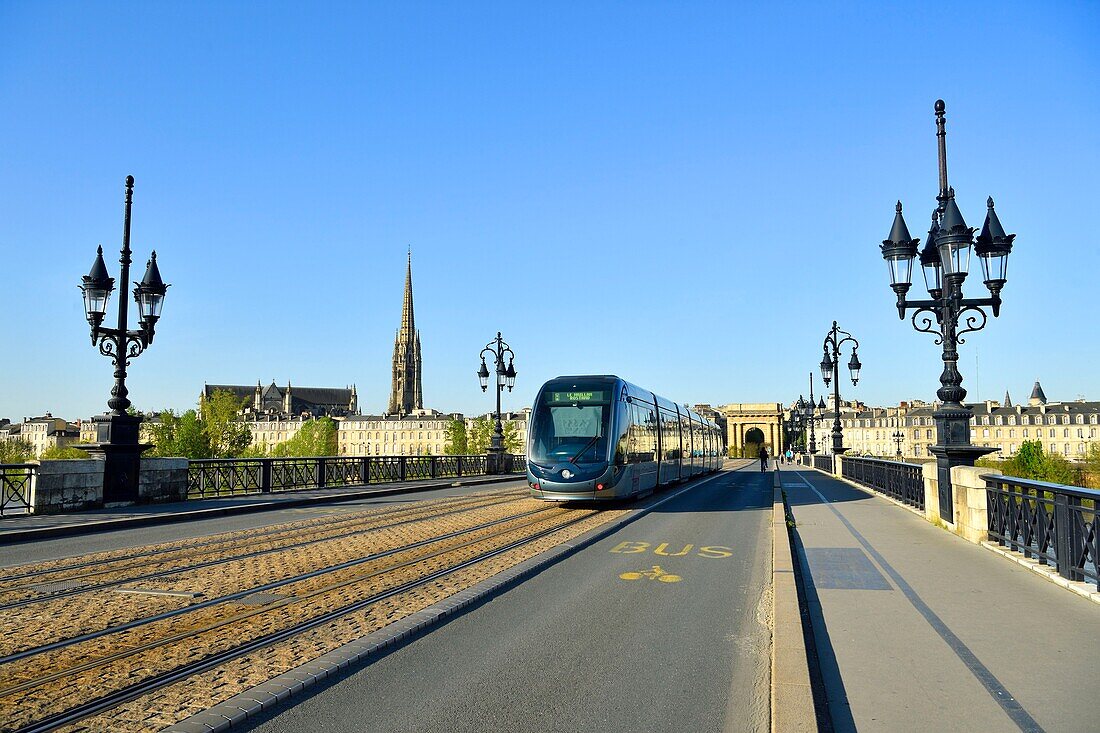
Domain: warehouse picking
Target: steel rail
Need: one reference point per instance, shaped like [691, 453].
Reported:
[425, 516]
[144, 687]
[72, 641]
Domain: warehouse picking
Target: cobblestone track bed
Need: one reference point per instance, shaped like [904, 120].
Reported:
[176, 702]
[113, 562]
[68, 657]
[261, 622]
[27, 627]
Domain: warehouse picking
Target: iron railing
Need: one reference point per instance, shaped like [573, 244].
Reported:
[1055, 524]
[15, 488]
[901, 481]
[236, 476]
[823, 463]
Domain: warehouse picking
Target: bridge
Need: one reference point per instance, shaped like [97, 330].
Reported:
[413, 594]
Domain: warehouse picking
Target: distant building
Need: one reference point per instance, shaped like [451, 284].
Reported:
[1065, 428]
[42, 432]
[289, 401]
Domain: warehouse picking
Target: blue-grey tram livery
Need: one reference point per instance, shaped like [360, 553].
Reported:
[601, 437]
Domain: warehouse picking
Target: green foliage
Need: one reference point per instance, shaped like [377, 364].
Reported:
[513, 440]
[1030, 462]
[750, 450]
[1092, 467]
[16, 451]
[182, 436]
[479, 435]
[57, 453]
[456, 438]
[228, 437]
[314, 438]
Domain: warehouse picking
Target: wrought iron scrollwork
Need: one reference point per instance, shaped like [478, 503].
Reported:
[976, 316]
[924, 317]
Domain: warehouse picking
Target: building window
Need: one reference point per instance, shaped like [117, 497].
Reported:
[985, 433]
[1052, 432]
[929, 436]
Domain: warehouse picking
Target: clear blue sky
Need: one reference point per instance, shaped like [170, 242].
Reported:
[552, 167]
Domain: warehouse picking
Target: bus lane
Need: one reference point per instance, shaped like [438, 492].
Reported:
[661, 626]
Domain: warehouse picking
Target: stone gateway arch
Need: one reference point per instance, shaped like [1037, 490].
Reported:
[743, 418]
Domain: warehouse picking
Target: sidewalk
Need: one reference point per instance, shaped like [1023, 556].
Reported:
[918, 630]
[37, 526]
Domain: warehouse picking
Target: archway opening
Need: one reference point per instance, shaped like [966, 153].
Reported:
[754, 440]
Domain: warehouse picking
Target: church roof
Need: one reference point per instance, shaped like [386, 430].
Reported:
[1037, 392]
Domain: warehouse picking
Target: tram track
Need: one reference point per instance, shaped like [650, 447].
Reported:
[370, 523]
[43, 571]
[252, 590]
[469, 552]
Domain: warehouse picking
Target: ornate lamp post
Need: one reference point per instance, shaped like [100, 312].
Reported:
[830, 368]
[117, 431]
[796, 426]
[898, 438]
[505, 377]
[948, 315]
[808, 410]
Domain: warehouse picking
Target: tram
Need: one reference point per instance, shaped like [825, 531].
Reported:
[602, 438]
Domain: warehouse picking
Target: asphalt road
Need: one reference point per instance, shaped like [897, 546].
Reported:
[49, 549]
[592, 643]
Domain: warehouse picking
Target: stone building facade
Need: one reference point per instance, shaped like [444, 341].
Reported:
[1065, 428]
[42, 432]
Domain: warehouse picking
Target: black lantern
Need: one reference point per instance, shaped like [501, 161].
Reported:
[993, 247]
[853, 367]
[483, 375]
[826, 369]
[149, 294]
[97, 290]
[510, 376]
[954, 239]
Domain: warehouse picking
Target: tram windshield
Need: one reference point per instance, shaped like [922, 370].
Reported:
[570, 425]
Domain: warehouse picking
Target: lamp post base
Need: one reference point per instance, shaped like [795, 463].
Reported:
[119, 449]
[947, 457]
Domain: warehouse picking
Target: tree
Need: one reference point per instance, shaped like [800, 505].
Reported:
[228, 437]
[1092, 467]
[456, 438]
[182, 436]
[513, 441]
[59, 453]
[314, 438]
[1028, 461]
[479, 435]
[16, 450]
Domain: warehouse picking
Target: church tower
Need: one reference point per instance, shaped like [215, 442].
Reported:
[406, 394]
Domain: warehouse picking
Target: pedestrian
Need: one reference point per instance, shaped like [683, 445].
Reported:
[763, 459]
[788, 456]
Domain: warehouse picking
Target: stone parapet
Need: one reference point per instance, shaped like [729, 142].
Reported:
[66, 486]
[971, 504]
[931, 493]
[162, 480]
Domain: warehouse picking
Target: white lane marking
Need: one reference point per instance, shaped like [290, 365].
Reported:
[803, 479]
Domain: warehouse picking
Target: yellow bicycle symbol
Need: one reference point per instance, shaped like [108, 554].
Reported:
[655, 574]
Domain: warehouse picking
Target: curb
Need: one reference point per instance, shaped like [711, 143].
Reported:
[359, 653]
[8, 537]
[792, 699]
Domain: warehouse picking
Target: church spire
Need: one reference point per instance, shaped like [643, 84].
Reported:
[406, 395]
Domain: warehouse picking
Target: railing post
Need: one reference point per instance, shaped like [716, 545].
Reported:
[458, 464]
[265, 475]
[364, 472]
[1062, 532]
[320, 472]
[435, 468]
[401, 468]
